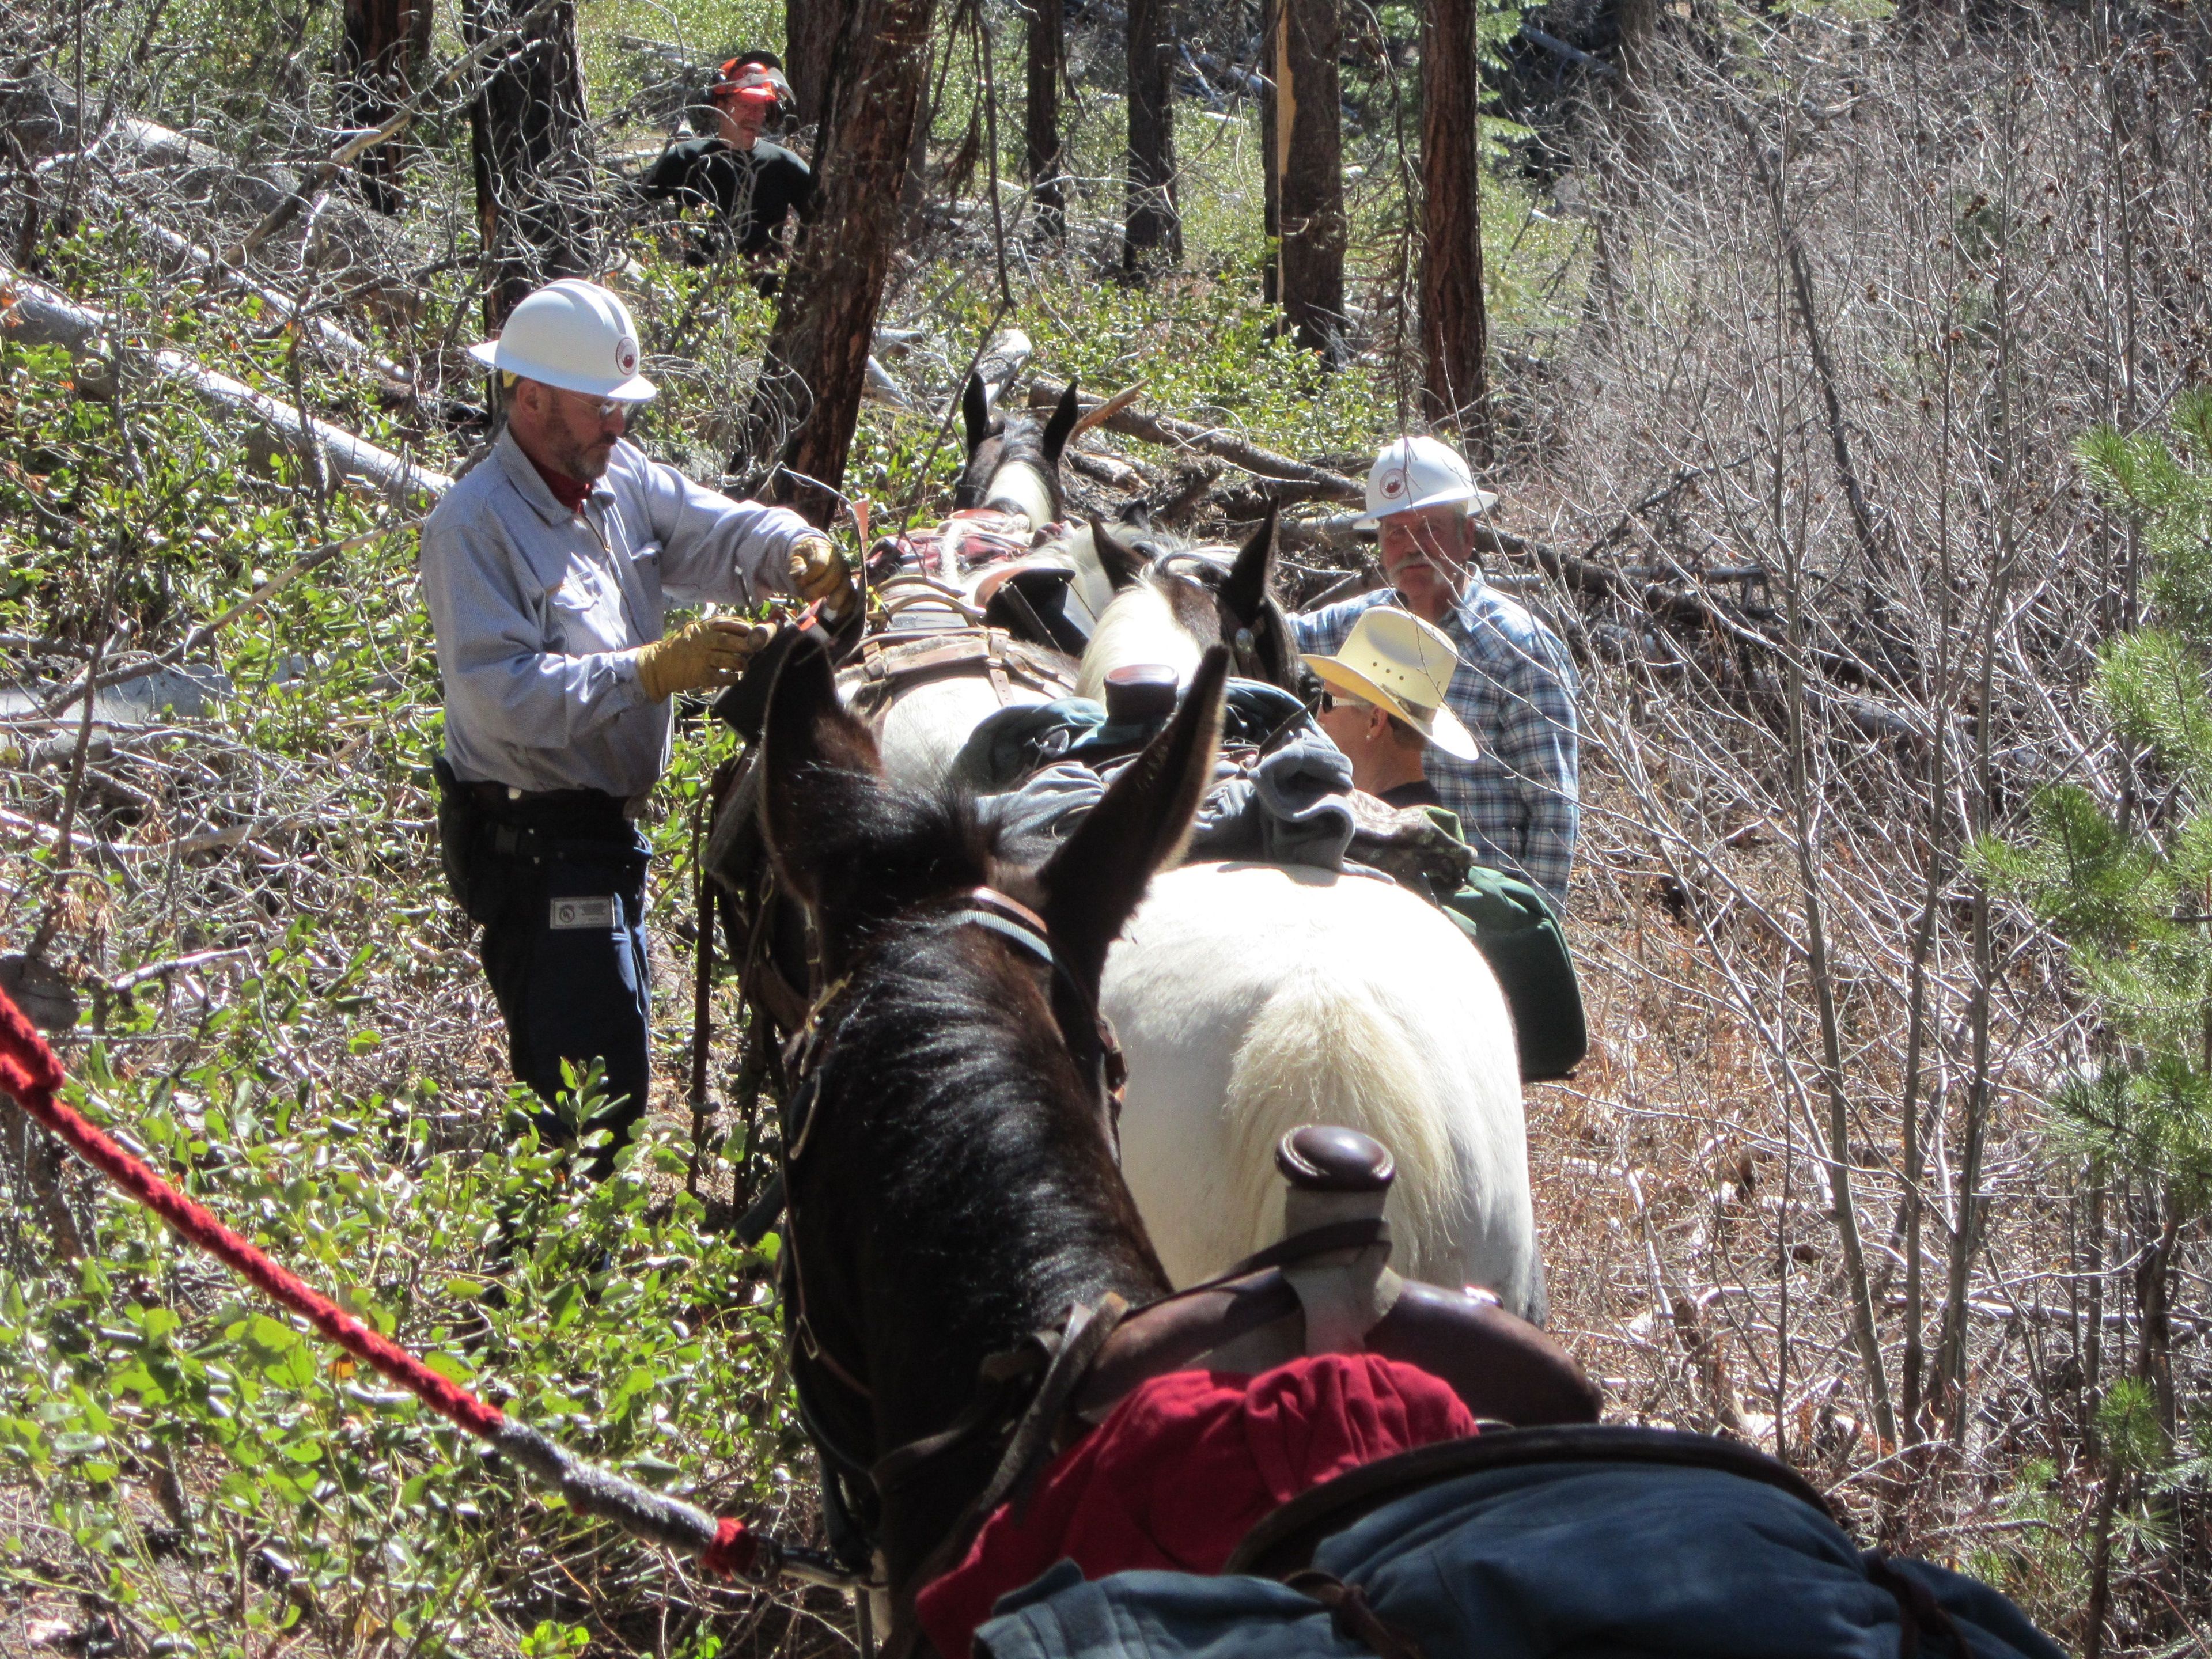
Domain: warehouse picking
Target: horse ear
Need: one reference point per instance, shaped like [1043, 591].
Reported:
[820, 770]
[1057, 428]
[1123, 561]
[1250, 578]
[1093, 882]
[975, 411]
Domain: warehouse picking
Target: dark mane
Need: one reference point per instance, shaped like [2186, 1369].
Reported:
[973, 1098]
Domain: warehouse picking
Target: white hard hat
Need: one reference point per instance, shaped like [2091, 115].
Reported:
[1402, 666]
[574, 335]
[1414, 472]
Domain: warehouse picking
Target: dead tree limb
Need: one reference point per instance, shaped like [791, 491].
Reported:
[41, 316]
[1172, 434]
[299, 200]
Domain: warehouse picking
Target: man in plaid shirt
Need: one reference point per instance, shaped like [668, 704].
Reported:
[1518, 800]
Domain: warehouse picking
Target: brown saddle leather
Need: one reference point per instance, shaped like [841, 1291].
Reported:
[1500, 1367]
[1327, 1289]
[889, 665]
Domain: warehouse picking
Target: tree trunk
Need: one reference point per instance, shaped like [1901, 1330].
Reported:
[807, 399]
[1640, 46]
[810, 42]
[1046, 48]
[1454, 329]
[1153, 223]
[1303, 129]
[528, 136]
[384, 45]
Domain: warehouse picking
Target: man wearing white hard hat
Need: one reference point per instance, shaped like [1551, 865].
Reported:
[1517, 797]
[1382, 703]
[548, 571]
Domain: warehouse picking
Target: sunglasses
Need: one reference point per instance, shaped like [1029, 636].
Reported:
[607, 408]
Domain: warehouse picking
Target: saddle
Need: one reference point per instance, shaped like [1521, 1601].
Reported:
[888, 667]
[1326, 1287]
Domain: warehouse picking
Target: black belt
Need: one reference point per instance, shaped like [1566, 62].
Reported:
[496, 800]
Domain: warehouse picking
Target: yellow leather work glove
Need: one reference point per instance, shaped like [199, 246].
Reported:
[712, 651]
[818, 571]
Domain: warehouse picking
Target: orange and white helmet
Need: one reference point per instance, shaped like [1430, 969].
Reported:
[749, 82]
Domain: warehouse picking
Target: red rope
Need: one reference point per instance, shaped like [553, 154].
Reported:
[31, 1073]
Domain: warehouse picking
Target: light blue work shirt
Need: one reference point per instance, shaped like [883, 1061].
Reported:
[539, 611]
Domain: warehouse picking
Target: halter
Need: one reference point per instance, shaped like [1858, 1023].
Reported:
[1243, 647]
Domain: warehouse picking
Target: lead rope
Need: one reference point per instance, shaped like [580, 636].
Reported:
[725, 1547]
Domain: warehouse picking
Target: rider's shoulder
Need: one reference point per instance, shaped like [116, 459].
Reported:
[1483, 607]
[1345, 612]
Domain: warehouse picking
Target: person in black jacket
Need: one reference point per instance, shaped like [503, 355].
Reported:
[751, 186]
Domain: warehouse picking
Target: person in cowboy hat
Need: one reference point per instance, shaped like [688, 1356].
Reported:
[749, 184]
[547, 571]
[1517, 797]
[1382, 703]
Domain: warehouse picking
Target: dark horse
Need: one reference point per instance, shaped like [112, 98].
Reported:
[950, 1165]
[954, 1192]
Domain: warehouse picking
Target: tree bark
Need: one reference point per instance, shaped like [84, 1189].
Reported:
[384, 45]
[807, 399]
[528, 138]
[1632, 97]
[1303, 129]
[1453, 328]
[1047, 48]
[810, 42]
[1154, 225]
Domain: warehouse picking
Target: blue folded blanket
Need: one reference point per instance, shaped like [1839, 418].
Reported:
[1597, 1561]
[1041, 769]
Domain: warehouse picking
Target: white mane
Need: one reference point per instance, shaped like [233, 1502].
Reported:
[1139, 626]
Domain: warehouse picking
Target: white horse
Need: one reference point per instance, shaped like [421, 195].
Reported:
[1250, 999]
[1012, 469]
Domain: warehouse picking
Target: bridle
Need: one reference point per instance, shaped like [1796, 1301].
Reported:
[1244, 645]
[814, 1365]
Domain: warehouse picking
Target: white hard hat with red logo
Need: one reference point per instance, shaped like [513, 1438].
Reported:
[574, 335]
[1416, 472]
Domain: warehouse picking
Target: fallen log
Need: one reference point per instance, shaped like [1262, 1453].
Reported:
[32, 312]
[1005, 356]
[43, 113]
[1109, 470]
[1172, 434]
[332, 337]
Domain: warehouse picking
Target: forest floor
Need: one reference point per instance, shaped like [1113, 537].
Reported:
[1804, 536]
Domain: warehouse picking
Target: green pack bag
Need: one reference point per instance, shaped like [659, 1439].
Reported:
[1519, 936]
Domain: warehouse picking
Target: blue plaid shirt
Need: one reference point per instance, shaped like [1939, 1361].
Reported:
[1518, 801]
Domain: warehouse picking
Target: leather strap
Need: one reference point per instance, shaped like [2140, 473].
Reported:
[1355, 1621]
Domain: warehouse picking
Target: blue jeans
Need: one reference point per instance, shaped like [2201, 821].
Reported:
[564, 950]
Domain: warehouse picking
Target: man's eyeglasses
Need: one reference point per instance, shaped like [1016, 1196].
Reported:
[607, 408]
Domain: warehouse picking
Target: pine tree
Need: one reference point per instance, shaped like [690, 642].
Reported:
[2126, 883]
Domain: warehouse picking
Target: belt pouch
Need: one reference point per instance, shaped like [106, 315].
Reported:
[459, 831]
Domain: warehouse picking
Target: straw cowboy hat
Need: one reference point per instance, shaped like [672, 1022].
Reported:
[1400, 664]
